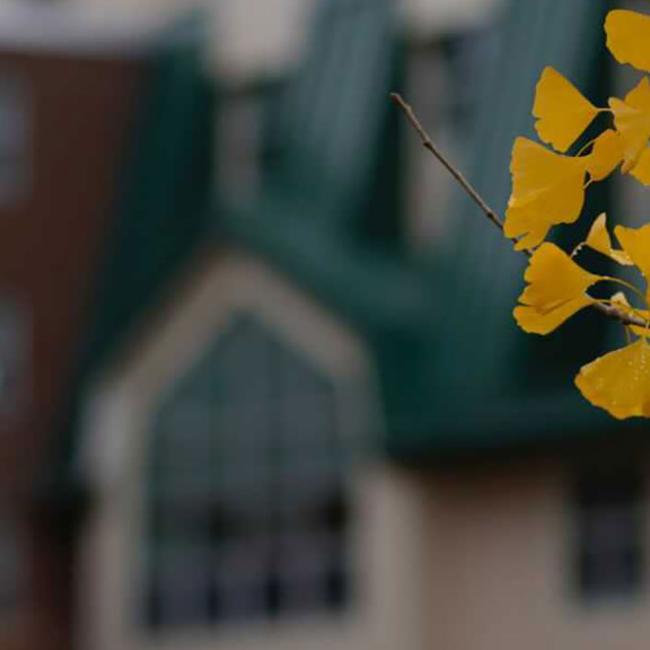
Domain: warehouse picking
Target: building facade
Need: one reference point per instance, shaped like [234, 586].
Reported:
[250, 415]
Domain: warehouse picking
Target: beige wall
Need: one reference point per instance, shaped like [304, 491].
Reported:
[499, 540]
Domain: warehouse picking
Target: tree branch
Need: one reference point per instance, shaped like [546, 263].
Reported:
[608, 310]
[427, 143]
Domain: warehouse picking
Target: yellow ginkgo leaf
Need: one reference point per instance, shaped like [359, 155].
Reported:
[619, 382]
[562, 112]
[547, 189]
[527, 226]
[620, 301]
[605, 156]
[640, 331]
[599, 240]
[641, 171]
[533, 321]
[632, 121]
[636, 243]
[628, 37]
[556, 290]
[553, 278]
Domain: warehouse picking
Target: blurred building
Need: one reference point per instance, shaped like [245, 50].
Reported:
[260, 383]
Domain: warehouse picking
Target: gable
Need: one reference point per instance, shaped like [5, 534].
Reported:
[231, 285]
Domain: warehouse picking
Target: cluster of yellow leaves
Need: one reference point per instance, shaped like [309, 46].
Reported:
[548, 188]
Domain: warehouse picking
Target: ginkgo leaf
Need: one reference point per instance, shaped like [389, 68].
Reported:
[632, 121]
[636, 243]
[534, 321]
[640, 331]
[562, 112]
[553, 278]
[605, 156]
[526, 225]
[641, 171]
[628, 37]
[547, 189]
[620, 301]
[599, 240]
[619, 382]
[556, 290]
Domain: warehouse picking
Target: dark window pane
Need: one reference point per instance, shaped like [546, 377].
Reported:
[181, 585]
[610, 561]
[247, 510]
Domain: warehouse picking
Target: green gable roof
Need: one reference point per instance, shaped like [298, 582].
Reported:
[161, 211]
[456, 373]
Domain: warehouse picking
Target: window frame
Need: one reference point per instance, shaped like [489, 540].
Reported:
[607, 479]
[111, 457]
[277, 374]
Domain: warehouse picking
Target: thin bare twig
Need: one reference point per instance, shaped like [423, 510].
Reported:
[608, 310]
[398, 100]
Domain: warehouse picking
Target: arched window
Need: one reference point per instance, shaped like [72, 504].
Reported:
[246, 506]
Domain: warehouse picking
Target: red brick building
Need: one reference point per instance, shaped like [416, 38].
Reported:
[68, 100]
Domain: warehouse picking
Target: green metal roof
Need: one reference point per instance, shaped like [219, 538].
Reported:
[162, 210]
[456, 373]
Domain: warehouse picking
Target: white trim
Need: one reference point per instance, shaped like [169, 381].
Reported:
[69, 28]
